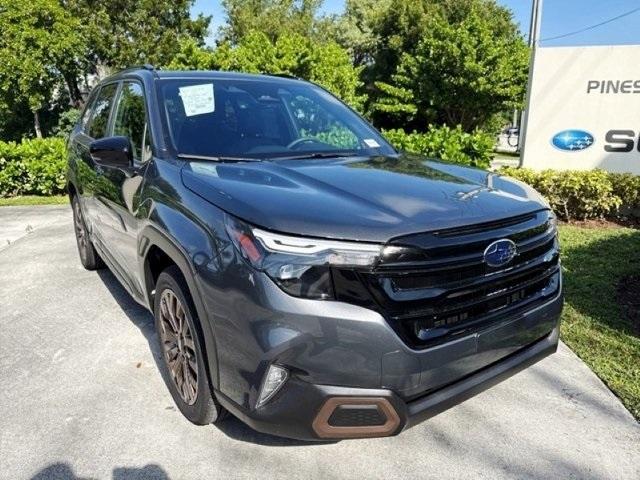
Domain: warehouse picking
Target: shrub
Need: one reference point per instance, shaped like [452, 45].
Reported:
[448, 144]
[627, 187]
[32, 167]
[583, 194]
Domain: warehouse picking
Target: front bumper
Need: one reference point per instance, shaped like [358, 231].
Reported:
[338, 350]
[295, 410]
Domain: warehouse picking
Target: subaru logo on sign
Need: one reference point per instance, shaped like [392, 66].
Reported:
[572, 140]
[500, 253]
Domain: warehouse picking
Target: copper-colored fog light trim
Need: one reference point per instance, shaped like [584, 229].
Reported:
[324, 430]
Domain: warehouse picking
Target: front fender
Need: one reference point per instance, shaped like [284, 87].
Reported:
[183, 234]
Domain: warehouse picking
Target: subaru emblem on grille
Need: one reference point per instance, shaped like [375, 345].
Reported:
[500, 253]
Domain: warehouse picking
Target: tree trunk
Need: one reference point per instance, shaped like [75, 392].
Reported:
[74, 90]
[36, 123]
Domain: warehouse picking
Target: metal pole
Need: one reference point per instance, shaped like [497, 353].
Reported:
[534, 27]
[534, 37]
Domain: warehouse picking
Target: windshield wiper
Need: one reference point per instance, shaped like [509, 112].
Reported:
[312, 155]
[187, 156]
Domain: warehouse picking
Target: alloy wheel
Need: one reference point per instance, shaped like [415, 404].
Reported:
[178, 346]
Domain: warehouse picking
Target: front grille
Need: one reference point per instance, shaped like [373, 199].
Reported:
[443, 287]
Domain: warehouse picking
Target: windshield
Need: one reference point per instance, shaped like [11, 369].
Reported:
[262, 118]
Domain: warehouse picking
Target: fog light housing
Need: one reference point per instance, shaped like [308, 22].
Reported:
[273, 381]
[356, 417]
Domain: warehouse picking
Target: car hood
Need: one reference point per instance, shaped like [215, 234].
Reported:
[367, 199]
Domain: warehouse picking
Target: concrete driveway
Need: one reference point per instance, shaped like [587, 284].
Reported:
[81, 397]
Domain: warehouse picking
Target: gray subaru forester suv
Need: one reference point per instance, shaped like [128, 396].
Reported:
[303, 274]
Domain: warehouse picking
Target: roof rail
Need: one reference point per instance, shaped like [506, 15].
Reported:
[145, 66]
[285, 75]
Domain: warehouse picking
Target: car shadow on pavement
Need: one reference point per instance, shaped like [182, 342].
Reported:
[513, 466]
[138, 315]
[237, 430]
[142, 318]
[63, 471]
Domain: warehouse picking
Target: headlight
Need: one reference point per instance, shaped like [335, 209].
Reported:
[299, 266]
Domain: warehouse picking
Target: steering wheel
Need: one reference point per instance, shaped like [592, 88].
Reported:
[302, 141]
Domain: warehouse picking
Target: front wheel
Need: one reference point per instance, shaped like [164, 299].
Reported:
[181, 348]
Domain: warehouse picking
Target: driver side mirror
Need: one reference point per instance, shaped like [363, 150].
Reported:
[112, 152]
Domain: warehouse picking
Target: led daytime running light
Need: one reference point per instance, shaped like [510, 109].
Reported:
[308, 246]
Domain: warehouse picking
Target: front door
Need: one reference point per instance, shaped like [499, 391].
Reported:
[118, 190]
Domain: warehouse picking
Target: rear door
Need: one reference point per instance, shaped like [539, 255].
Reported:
[94, 126]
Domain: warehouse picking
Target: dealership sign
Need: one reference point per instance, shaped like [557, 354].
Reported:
[584, 109]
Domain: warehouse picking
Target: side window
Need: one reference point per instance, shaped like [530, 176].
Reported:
[101, 109]
[87, 110]
[131, 121]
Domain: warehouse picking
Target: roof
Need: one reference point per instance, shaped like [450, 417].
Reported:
[218, 74]
[168, 74]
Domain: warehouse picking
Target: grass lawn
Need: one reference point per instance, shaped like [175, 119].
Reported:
[594, 325]
[34, 200]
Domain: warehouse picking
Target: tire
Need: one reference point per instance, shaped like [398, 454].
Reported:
[181, 346]
[88, 255]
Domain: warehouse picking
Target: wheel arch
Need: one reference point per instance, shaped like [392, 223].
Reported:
[158, 251]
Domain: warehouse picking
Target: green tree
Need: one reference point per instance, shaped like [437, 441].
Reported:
[357, 28]
[42, 46]
[378, 32]
[398, 30]
[470, 65]
[271, 17]
[133, 32]
[191, 56]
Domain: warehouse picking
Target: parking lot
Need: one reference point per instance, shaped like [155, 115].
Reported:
[81, 397]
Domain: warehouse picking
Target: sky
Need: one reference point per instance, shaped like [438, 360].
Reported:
[559, 17]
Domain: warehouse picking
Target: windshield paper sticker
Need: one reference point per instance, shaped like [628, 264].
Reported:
[371, 143]
[197, 99]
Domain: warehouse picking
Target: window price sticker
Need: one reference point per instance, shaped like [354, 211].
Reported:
[197, 99]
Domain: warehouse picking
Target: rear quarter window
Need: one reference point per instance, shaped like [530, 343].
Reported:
[88, 109]
[100, 111]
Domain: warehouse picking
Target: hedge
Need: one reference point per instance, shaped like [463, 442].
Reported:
[32, 167]
[448, 144]
[582, 195]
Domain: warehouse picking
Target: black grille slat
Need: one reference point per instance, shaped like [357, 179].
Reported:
[536, 241]
[469, 229]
